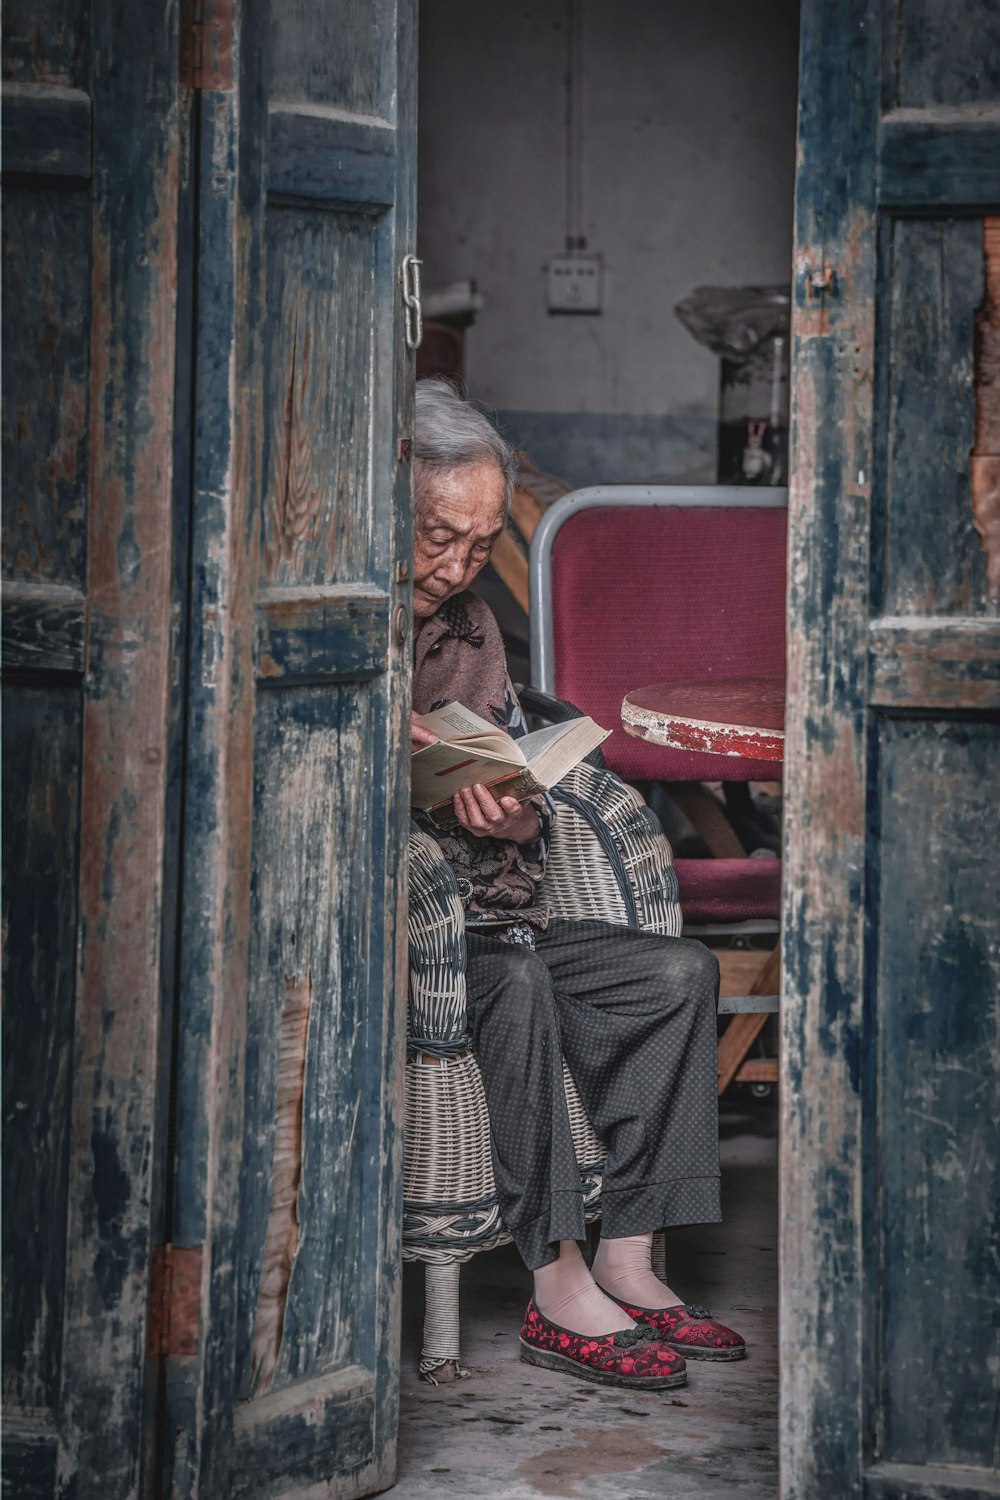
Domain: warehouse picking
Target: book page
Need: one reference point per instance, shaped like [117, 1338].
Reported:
[458, 725]
[540, 739]
[550, 755]
[439, 771]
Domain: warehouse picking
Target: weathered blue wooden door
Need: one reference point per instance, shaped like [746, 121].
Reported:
[206, 516]
[890, 1340]
[91, 159]
[285, 1147]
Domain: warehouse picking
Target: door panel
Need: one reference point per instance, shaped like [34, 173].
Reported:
[90, 173]
[292, 980]
[938, 977]
[318, 522]
[338, 54]
[891, 942]
[319, 1275]
[926, 64]
[934, 562]
[312, 870]
[45, 397]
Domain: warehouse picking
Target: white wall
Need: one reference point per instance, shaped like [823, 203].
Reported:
[688, 157]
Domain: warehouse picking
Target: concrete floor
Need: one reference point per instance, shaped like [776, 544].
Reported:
[511, 1430]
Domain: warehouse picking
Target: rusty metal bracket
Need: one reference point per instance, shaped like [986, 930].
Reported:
[174, 1301]
[207, 45]
[821, 283]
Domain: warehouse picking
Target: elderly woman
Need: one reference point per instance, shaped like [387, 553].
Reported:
[633, 1012]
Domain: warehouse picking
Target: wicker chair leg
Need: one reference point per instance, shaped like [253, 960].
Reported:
[660, 1255]
[439, 1359]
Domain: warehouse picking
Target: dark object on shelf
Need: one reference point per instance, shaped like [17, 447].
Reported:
[448, 312]
[747, 327]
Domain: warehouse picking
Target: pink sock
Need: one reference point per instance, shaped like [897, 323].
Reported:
[622, 1269]
[565, 1293]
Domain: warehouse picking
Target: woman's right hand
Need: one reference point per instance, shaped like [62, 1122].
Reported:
[419, 736]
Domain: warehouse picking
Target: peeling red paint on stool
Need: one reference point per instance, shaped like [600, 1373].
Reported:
[742, 716]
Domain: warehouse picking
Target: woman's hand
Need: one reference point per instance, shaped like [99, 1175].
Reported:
[419, 736]
[481, 814]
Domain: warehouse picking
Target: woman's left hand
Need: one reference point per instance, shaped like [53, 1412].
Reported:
[481, 814]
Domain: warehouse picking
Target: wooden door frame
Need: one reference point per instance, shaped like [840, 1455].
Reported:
[824, 932]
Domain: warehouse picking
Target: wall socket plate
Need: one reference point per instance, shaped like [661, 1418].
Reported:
[574, 284]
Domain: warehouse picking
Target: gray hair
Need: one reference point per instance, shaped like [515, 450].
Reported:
[450, 433]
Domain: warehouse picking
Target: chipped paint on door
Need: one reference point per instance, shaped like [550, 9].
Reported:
[91, 163]
[891, 948]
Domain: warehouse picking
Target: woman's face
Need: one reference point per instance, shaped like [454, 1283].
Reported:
[460, 518]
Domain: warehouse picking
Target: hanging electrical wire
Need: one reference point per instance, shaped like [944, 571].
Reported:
[575, 238]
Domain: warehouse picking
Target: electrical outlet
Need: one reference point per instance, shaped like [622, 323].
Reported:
[574, 284]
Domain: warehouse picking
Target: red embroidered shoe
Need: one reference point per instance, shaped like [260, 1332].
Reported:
[691, 1330]
[634, 1357]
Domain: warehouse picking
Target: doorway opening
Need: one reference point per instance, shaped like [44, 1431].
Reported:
[583, 169]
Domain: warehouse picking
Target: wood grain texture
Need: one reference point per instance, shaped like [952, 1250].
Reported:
[946, 664]
[324, 876]
[281, 1242]
[45, 398]
[874, 886]
[941, 54]
[317, 516]
[313, 862]
[938, 1134]
[933, 562]
[44, 629]
[331, 634]
[47, 41]
[290, 1434]
[221, 390]
[46, 130]
[745, 1027]
[825, 753]
[29, 1456]
[41, 819]
[332, 52]
[939, 159]
[315, 153]
[128, 550]
[929, 1482]
[46, 384]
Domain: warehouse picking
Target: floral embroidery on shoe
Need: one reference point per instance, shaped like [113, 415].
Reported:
[690, 1329]
[636, 1353]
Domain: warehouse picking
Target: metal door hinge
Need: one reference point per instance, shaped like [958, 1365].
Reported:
[174, 1301]
[207, 44]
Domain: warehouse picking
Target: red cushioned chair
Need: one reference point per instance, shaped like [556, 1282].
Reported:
[638, 584]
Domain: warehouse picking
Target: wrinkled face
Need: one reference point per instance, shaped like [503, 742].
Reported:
[460, 518]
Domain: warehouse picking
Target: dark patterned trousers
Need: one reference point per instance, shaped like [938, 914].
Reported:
[634, 1015]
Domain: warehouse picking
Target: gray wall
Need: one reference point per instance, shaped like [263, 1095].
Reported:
[688, 124]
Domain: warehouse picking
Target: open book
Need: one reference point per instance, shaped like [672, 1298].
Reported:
[470, 750]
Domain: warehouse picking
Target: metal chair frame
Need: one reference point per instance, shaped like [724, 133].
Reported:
[603, 496]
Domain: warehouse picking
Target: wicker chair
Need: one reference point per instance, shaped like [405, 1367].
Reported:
[608, 860]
